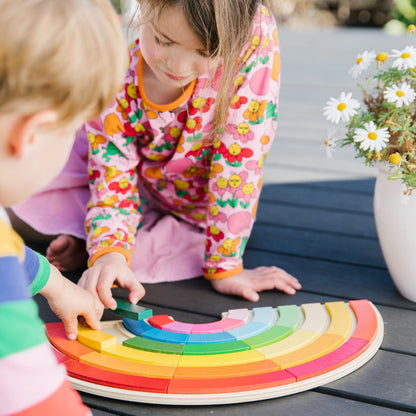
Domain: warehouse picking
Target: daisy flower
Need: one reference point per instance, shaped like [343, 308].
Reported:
[364, 60]
[395, 159]
[381, 58]
[330, 142]
[401, 95]
[342, 108]
[405, 58]
[371, 138]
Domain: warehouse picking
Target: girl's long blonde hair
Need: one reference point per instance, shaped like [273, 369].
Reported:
[223, 27]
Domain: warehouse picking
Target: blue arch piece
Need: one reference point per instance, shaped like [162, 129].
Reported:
[137, 327]
[145, 330]
[249, 330]
[216, 337]
[165, 336]
[266, 315]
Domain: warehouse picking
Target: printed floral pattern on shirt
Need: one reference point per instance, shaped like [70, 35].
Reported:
[214, 186]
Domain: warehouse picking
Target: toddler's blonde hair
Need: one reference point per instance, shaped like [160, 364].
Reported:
[62, 55]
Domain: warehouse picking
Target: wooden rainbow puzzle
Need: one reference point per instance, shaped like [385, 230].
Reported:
[247, 355]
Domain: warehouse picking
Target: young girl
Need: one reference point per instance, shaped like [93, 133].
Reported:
[176, 163]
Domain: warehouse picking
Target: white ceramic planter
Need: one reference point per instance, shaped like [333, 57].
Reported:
[395, 216]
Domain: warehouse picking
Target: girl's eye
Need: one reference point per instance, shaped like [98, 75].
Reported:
[204, 54]
[161, 42]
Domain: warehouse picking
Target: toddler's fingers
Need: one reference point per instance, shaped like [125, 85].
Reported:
[71, 328]
[92, 320]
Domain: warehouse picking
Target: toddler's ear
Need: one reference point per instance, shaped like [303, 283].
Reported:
[26, 129]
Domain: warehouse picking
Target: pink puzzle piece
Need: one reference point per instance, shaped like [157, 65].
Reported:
[179, 327]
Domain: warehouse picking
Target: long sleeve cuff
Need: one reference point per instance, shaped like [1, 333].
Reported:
[112, 249]
[38, 269]
[217, 274]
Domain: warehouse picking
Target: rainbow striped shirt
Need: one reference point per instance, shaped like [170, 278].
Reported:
[31, 380]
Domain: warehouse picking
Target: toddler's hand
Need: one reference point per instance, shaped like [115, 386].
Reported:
[248, 283]
[108, 269]
[68, 301]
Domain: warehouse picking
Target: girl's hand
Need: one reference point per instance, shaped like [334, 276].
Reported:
[68, 301]
[248, 283]
[109, 269]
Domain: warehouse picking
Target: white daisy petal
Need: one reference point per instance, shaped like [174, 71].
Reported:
[405, 58]
[371, 138]
[402, 94]
[364, 60]
[342, 108]
[330, 142]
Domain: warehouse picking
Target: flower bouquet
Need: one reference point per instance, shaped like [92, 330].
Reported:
[384, 127]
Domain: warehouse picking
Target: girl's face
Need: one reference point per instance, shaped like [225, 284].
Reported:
[172, 51]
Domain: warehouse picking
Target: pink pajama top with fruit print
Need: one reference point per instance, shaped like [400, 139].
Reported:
[214, 186]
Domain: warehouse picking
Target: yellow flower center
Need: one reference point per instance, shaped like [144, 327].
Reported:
[199, 102]
[395, 159]
[124, 183]
[222, 183]
[191, 123]
[111, 171]
[214, 210]
[235, 181]
[359, 60]
[266, 42]
[381, 57]
[342, 106]
[214, 230]
[372, 135]
[175, 132]
[400, 93]
[248, 189]
[405, 55]
[196, 146]
[239, 81]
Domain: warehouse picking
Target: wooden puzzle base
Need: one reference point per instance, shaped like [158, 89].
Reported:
[246, 356]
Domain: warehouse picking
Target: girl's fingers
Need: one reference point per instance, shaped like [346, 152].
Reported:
[105, 294]
[136, 290]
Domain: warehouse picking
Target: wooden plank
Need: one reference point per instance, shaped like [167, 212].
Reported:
[299, 404]
[388, 379]
[399, 333]
[97, 412]
[320, 245]
[331, 278]
[316, 219]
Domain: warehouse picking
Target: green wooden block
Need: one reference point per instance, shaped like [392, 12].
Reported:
[274, 334]
[289, 316]
[153, 346]
[136, 312]
[217, 348]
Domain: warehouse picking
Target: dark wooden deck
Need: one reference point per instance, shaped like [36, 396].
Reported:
[315, 221]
